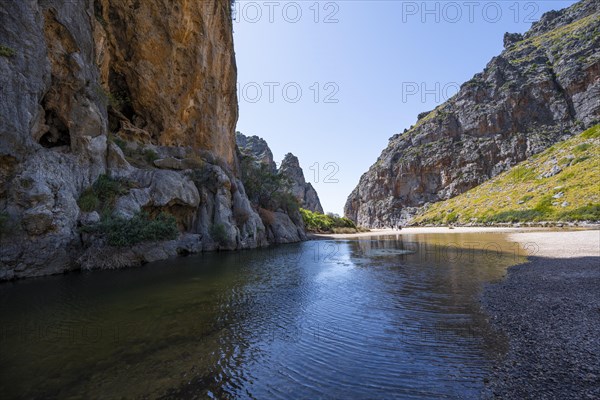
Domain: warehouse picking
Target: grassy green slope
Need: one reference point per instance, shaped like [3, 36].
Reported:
[524, 194]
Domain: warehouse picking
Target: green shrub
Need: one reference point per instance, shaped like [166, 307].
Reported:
[515, 216]
[592, 133]
[582, 147]
[317, 222]
[451, 218]
[121, 232]
[266, 188]
[580, 159]
[590, 212]
[102, 194]
[88, 201]
[219, 233]
[150, 156]
[7, 51]
[544, 206]
[285, 201]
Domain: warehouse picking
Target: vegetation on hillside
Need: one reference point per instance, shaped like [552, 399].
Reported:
[559, 184]
[117, 231]
[102, 194]
[266, 188]
[123, 232]
[328, 223]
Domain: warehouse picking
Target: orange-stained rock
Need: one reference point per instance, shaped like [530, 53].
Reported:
[170, 67]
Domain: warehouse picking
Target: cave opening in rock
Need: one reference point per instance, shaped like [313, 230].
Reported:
[58, 133]
[120, 96]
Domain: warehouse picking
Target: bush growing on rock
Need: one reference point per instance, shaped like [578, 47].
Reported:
[121, 232]
[7, 52]
[102, 194]
[218, 233]
[265, 188]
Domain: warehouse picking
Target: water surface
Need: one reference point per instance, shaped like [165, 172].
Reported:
[380, 317]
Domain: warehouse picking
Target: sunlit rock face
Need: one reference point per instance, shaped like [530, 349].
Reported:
[173, 63]
[543, 88]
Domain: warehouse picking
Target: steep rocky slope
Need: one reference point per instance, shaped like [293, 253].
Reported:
[543, 88]
[256, 147]
[304, 192]
[127, 94]
[559, 184]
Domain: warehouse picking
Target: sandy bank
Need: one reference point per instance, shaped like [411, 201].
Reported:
[561, 244]
[420, 230]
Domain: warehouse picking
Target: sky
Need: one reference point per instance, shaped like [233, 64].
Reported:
[332, 81]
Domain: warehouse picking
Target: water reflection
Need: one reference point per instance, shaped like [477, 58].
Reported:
[393, 316]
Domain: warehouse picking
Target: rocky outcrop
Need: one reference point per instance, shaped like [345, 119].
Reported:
[140, 91]
[302, 190]
[257, 148]
[543, 88]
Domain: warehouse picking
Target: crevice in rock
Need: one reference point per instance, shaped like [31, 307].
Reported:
[98, 11]
[563, 92]
[120, 95]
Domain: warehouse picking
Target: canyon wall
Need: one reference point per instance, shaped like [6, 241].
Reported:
[543, 88]
[127, 94]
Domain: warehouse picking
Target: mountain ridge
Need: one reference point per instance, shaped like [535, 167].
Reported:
[259, 149]
[543, 88]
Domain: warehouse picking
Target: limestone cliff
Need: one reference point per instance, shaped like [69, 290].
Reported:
[257, 148]
[302, 190]
[53, 131]
[542, 89]
[171, 66]
[135, 94]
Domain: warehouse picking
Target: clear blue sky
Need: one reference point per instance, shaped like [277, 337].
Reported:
[384, 62]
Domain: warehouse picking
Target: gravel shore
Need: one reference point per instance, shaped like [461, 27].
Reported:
[549, 308]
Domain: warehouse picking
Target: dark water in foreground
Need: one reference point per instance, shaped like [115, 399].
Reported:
[327, 319]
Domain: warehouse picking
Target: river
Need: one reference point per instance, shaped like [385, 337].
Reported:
[376, 317]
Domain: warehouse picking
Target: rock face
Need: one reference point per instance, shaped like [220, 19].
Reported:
[302, 190]
[53, 132]
[256, 147]
[141, 91]
[543, 88]
[171, 66]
